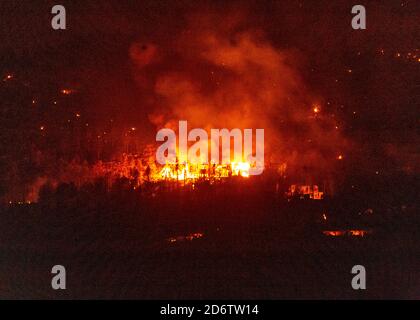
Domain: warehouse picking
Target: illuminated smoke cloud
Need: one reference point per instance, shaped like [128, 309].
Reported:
[217, 74]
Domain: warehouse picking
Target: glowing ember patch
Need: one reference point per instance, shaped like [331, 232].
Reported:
[193, 236]
[333, 233]
[189, 237]
[358, 233]
[350, 233]
[302, 191]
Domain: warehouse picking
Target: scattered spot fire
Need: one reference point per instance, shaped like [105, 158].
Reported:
[347, 233]
[183, 238]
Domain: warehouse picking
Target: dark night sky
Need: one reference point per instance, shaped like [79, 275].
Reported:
[376, 103]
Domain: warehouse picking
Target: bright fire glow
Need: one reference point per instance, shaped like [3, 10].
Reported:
[66, 91]
[189, 171]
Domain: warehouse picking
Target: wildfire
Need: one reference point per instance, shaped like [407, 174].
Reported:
[241, 169]
[191, 172]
